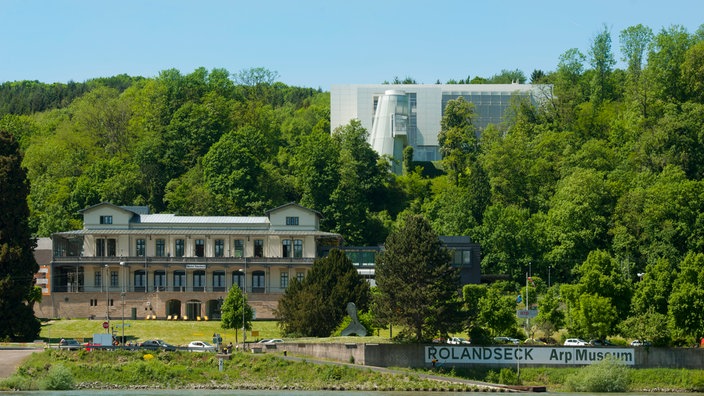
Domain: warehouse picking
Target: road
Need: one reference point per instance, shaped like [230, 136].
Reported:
[12, 358]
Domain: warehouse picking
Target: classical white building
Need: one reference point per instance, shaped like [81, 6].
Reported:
[128, 262]
[397, 116]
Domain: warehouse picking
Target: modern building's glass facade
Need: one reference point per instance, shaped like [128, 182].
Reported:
[409, 115]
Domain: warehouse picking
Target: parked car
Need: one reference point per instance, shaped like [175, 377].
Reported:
[603, 342]
[157, 344]
[575, 342]
[638, 343]
[71, 345]
[272, 341]
[457, 341]
[200, 346]
[507, 340]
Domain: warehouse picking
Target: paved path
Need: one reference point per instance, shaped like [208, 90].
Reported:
[11, 359]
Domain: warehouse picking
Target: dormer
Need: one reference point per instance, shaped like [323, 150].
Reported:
[293, 216]
[108, 216]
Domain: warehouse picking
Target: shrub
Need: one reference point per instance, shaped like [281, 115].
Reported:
[609, 375]
[59, 377]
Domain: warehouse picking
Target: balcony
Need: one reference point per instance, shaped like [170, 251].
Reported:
[182, 260]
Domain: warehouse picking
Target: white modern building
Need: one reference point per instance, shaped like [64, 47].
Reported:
[397, 116]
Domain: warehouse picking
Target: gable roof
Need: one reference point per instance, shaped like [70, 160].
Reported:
[137, 210]
[276, 209]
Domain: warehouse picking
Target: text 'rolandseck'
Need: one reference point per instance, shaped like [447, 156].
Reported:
[525, 355]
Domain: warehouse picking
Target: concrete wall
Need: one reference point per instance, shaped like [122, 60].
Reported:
[347, 353]
[412, 355]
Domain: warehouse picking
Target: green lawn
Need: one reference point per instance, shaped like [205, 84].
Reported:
[173, 332]
[176, 332]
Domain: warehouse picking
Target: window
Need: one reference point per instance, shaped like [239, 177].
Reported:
[300, 276]
[140, 280]
[105, 219]
[114, 279]
[200, 248]
[258, 282]
[141, 245]
[179, 280]
[219, 248]
[199, 281]
[93, 302]
[239, 248]
[258, 248]
[238, 279]
[112, 248]
[286, 248]
[462, 258]
[160, 280]
[298, 248]
[283, 282]
[180, 248]
[160, 248]
[292, 220]
[105, 247]
[98, 278]
[219, 281]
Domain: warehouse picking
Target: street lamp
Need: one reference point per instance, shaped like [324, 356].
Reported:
[107, 296]
[122, 266]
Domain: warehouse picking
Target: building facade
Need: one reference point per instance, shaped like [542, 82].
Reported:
[126, 262]
[397, 116]
[466, 257]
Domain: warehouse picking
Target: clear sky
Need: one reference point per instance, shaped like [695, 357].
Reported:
[313, 43]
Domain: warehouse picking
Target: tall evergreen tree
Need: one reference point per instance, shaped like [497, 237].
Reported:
[317, 305]
[17, 263]
[418, 285]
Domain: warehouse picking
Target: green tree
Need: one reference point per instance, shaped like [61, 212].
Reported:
[665, 58]
[650, 326]
[551, 317]
[497, 311]
[235, 312]
[602, 61]
[686, 303]
[317, 305]
[457, 138]
[17, 263]
[417, 284]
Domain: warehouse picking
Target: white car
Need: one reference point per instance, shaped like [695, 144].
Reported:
[575, 342]
[200, 346]
[457, 341]
[272, 341]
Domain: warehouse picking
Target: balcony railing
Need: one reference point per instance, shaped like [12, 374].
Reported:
[182, 260]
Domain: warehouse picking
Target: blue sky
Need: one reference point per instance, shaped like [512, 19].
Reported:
[313, 43]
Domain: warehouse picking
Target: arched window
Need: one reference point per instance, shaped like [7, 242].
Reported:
[140, 280]
[238, 279]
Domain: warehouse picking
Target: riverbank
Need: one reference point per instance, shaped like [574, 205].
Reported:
[139, 370]
[60, 369]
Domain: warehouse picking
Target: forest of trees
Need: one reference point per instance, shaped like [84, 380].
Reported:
[603, 182]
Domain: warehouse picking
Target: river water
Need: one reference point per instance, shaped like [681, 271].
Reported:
[201, 392]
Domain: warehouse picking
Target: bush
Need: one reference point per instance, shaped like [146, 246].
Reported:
[58, 378]
[506, 377]
[609, 375]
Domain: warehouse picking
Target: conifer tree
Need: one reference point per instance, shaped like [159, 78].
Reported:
[418, 285]
[17, 263]
[317, 305]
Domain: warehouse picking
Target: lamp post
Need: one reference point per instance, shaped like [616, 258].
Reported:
[107, 296]
[122, 266]
[244, 293]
